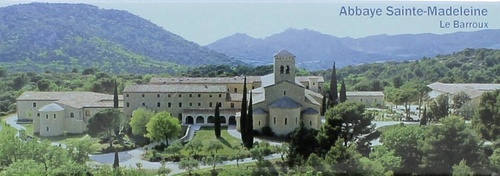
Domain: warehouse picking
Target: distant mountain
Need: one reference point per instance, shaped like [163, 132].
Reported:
[45, 36]
[317, 51]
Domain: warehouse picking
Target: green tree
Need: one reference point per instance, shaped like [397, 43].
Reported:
[423, 119]
[495, 161]
[467, 110]
[282, 150]
[403, 140]
[175, 148]
[163, 170]
[440, 107]
[314, 162]
[343, 92]
[217, 127]
[487, 119]
[334, 95]
[447, 144]
[214, 146]
[79, 150]
[116, 161]
[25, 167]
[302, 144]
[139, 120]
[163, 127]
[194, 146]
[189, 164]
[323, 105]
[43, 85]
[103, 124]
[243, 118]
[343, 159]
[462, 169]
[115, 95]
[249, 125]
[329, 132]
[459, 100]
[212, 160]
[387, 158]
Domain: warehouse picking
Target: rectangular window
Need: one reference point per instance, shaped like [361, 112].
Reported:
[210, 104]
[235, 90]
[47, 128]
[310, 123]
[180, 95]
[190, 95]
[46, 116]
[232, 105]
[169, 95]
[190, 104]
[284, 93]
[54, 116]
[180, 105]
[34, 105]
[307, 87]
[259, 122]
[126, 95]
[361, 99]
[158, 95]
[199, 104]
[286, 121]
[199, 95]
[143, 95]
[128, 104]
[169, 104]
[143, 104]
[274, 120]
[220, 95]
[38, 114]
[158, 104]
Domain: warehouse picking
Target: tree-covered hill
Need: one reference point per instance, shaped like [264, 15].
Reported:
[467, 66]
[45, 36]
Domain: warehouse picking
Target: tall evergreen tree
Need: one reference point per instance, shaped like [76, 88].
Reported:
[249, 125]
[343, 92]
[323, 105]
[423, 119]
[115, 96]
[217, 120]
[334, 96]
[116, 161]
[302, 144]
[243, 118]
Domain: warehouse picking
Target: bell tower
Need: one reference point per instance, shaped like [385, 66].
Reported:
[284, 67]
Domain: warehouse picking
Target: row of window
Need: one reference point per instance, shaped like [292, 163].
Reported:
[169, 104]
[180, 95]
[286, 121]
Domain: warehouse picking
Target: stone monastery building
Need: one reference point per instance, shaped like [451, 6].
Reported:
[281, 100]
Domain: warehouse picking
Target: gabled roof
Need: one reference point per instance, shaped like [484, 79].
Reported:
[284, 53]
[74, 99]
[160, 88]
[365, 93]
[285, 103]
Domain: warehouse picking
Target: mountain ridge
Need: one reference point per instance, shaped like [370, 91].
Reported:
[353, 51]
[51, 33]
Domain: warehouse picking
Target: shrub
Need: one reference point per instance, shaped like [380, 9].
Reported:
[267, 131]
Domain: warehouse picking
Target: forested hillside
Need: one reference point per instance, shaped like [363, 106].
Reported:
[60, 37]
[467, 66]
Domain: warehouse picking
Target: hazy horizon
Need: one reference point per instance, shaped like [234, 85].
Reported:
[204, 22]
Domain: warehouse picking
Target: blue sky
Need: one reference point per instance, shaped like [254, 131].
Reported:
[203, 21]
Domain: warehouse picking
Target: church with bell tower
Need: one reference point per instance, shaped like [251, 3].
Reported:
[282, 102]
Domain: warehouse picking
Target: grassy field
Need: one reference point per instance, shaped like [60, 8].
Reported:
[275, 164]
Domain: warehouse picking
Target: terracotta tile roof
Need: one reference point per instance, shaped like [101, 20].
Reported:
[174, 88]
[285, 103]
[74, 99]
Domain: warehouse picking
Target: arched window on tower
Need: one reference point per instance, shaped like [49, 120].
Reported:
[282, 69]
[287, 69]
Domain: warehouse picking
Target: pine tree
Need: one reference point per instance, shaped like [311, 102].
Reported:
[115, 96]
[116, 162]
[243, 118]
[249, 125]
[217, 120]
[343, 92]
[333, 88]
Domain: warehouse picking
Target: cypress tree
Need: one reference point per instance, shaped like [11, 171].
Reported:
[423, 120]
[217, 120]
[116, 162]
[243, 118]
[343, 92]
[249, 126]
[323, 105]
[334, 94]
[115, 96]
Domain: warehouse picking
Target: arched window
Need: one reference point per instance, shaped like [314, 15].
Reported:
[287, 69]
[286, 121]
[72, 115]
[282, 69]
